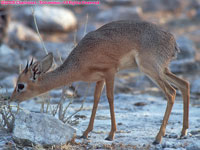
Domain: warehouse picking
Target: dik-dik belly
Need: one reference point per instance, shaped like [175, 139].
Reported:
[128, 61]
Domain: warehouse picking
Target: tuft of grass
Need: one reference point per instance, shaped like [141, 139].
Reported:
[7, 117]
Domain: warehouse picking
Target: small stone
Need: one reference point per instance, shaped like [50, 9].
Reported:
[195, 132]
[80, 116]
[140, 104]
[173, 135]
[120, 124]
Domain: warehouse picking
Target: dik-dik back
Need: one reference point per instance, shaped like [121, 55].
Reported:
[119, 44]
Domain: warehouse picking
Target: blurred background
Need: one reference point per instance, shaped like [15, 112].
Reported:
[62, 27]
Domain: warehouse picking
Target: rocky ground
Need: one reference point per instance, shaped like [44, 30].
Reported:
[137, 125]
[138, 120]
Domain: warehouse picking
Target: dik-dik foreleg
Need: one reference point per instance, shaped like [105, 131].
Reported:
[97, 95]
[110, 96]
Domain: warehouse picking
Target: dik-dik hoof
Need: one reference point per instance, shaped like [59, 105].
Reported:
[183, 137]
[156, 142]
[183, 133]
[84, 137]
[109, 138]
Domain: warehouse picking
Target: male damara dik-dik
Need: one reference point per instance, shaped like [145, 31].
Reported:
[100, 55]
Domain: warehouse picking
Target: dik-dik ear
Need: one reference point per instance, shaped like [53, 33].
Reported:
[42, 66]
[46, 63]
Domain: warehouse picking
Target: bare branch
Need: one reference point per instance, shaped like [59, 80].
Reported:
[81, 104]
[38, 32]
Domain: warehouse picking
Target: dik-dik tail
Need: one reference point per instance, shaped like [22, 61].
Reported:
[177, 50]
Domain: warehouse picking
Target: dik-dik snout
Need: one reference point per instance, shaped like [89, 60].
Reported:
[29, 80]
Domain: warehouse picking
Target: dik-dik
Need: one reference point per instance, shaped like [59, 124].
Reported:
[99, 56]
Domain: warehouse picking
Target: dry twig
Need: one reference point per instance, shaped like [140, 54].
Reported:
[38, 32]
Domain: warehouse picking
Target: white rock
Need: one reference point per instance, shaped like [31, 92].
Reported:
[53, 18]
[18, 31]
[9, 59]
[41, 129]
[23, 37]
[9, 81]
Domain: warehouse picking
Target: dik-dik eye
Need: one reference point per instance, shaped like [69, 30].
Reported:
[20, 87]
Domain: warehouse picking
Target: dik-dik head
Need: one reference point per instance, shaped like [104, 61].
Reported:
[29, 81]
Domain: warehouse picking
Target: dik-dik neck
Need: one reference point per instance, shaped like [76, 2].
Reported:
[57, 78]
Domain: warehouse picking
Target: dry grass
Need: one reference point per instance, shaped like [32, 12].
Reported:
[7, 117]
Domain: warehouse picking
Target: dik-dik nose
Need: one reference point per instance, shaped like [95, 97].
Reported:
[13, 97]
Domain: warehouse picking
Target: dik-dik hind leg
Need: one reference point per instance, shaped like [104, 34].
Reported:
[170, 94]
[151, 68]
[184, 87]
[97, 95]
